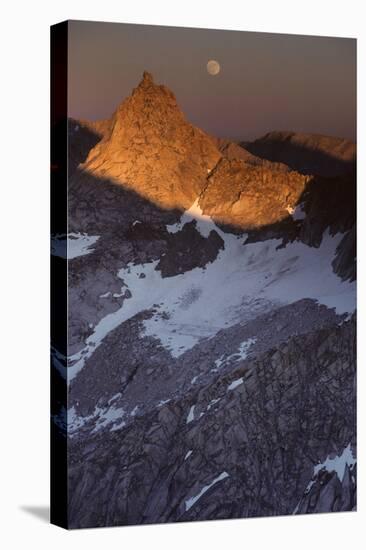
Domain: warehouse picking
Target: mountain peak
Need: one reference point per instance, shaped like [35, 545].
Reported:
[149, 94]
[153, 149]
[147, 79]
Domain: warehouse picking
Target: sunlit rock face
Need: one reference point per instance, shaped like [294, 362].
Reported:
[153, 149]
[148, 146]
[249, 196]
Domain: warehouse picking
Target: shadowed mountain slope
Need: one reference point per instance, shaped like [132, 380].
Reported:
[306, 153]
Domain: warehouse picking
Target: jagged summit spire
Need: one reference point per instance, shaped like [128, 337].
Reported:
[148, 85]
[147, 78]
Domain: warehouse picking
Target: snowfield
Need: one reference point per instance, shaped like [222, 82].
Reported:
[244, 281]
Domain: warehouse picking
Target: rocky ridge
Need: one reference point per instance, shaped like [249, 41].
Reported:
[307, 153]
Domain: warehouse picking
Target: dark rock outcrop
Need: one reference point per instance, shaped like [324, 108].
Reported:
[247, 449]
[307, 153]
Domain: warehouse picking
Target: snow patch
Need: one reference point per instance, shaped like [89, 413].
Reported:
[241, 354]
[204, 224]
[107, 416]
[101, 416]
[163, 402]
[188, 454]
[212, 403]
[337, 464]
[244, 348]
[72, 245]
[234, 384]
[191, 501]
[117, 426]
[190, 416]
[134, 411]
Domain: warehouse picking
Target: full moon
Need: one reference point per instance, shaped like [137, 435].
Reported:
[213, 67]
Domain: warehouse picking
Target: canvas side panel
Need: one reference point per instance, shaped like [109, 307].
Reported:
[59, 37]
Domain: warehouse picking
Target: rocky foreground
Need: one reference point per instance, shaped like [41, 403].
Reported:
[266, 422]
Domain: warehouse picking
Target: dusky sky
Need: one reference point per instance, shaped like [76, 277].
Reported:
[267, 81]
